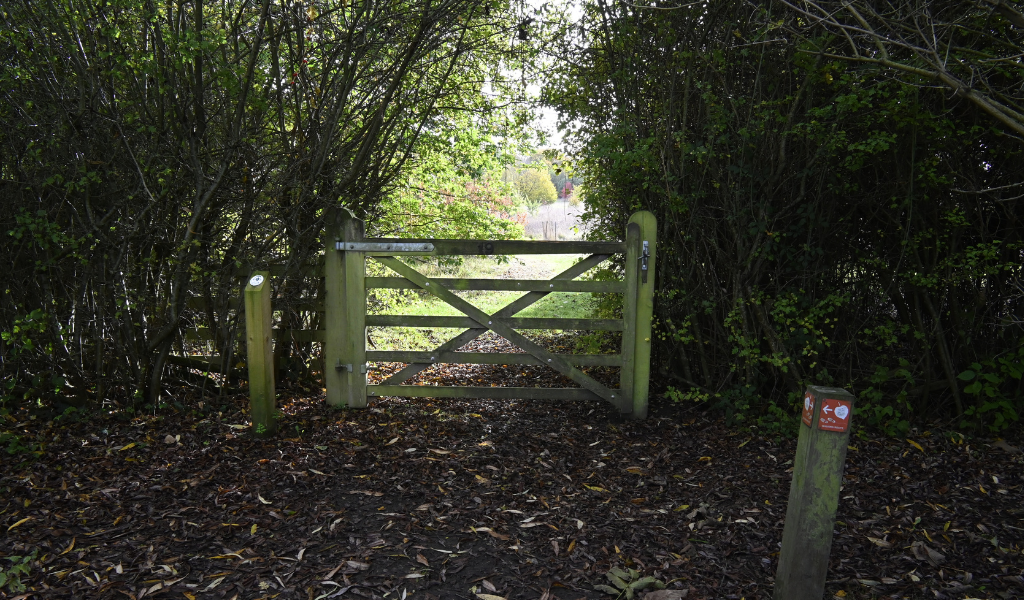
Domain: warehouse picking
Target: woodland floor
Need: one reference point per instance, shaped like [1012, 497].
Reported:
[457, 499]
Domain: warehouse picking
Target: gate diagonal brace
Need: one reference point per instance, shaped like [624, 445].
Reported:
[502, 329]
[510, 310]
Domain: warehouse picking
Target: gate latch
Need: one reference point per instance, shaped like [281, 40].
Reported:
[340, 367]
[644, 256]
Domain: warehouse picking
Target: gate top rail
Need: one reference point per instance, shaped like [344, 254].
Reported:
[393, 246]
[417, 247]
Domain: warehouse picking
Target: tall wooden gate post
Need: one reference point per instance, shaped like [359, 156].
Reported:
[644, 310]
[814, 494]
[260, 358]
[345, 313]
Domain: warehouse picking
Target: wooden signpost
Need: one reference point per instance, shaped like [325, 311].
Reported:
[814, 494]
[260, 359]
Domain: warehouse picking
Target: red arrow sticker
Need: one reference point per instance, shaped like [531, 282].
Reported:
[835, 415]
[808, 409]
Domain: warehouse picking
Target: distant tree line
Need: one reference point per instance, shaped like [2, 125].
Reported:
[541, 179]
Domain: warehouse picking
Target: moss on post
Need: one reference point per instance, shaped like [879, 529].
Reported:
[814, 494]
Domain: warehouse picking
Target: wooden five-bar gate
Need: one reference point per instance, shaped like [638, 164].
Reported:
[345, 320]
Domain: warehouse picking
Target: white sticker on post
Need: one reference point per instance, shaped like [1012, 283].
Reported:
[256, 280]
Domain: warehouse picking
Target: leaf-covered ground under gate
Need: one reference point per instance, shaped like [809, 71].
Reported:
[470, 499]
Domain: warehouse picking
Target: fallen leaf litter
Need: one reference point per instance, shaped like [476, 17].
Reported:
[507, 499]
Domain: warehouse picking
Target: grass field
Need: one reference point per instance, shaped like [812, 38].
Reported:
[558, 304]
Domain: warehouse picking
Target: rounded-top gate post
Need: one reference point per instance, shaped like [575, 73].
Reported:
[344, 312]
[644, 310]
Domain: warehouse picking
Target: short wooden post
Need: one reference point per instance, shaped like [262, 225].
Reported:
[629, 322]
[259, 344]
[814, 494]
[345, 313]
[644, 311]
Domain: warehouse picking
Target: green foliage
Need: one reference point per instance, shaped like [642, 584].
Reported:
[28, 335]
[780, 421]
[734, 404]
[627, 584]
[40, 230]
[995, 385]
[11, 577]
[971, 49]
[479, 209]
[72, 415]
[890, 415]
[15, 445]
[822, 223]
[31, 342]
[536, 186]
[454, 190]
[151, 154]
[603, 306]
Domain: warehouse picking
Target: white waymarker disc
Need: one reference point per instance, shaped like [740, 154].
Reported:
[256, 280]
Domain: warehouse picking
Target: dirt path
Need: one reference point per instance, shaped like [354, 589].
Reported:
[531, 266]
